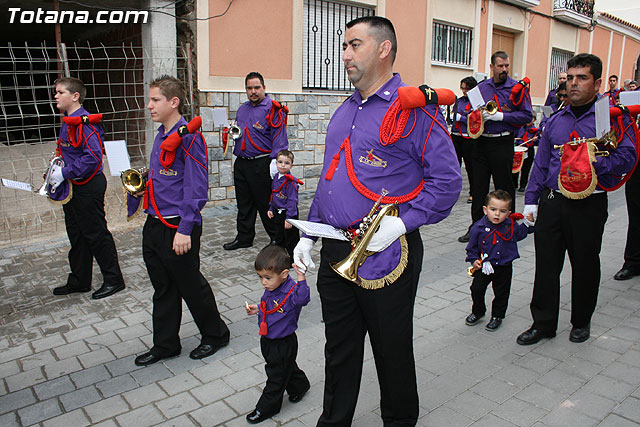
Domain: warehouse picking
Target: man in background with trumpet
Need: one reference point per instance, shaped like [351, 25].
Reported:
[494, 148]
[262, 125]
[80, 185]
[567, 220]
[365, 153]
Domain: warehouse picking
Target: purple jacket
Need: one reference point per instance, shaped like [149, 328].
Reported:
[284, 322]
[182, 189]
[269, 139]
[284, 195]
[546, 166]
[81, 162]
[514, 116]
[551, 98]
[502, 252]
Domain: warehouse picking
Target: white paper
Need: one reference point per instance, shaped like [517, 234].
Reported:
[117, 156]
[18, 185]
[603, 125]
[220, 118]
[630, 98]
[547, 110]
[317, 229]
[475, 98]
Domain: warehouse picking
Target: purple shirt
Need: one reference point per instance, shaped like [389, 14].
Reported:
[81, 162]
[182, 189]
[551, 98]
[514, 116]
[460, 116]
[286, 197]
[398, 167]
[254, 118]
[546, 166]
[502, 252]
[284, 322]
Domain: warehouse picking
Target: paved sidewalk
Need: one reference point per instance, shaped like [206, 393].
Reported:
[68, 361]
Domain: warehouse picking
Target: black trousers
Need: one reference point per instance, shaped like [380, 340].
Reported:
[89, 236]
[283, 373]
[493, 159]
[174, 278]
[523, 175]
[501, 282]
[287, 238]
[465, 150]
[632, 249]
[253, 191]
[349, 313]
[573, 226]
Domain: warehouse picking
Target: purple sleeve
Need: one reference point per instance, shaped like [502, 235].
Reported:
[473, 247]
[522, 231]
[522, 116]
[91, 158]
[133, 204]
[539, 171]
[300, 295]
[550, 98]
[279, 140]
[196, 182]
[441, 175]
[292, 199]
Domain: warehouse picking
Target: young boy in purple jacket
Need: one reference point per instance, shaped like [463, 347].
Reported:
[491, 250]
[284, 202]
[278, 315]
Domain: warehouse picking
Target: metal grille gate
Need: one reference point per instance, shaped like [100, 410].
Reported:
[29, 122]
[559, 60]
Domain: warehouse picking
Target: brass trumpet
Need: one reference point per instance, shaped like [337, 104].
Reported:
[348, 267]
[491, 107]
[55, 161]
[235, 131]
[134, 180]
[608, 139]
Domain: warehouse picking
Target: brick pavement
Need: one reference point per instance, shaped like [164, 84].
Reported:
[68, 361]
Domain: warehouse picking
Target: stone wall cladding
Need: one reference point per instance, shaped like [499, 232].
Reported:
[309, 116]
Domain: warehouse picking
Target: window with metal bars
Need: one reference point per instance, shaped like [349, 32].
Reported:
[324, 24]
[451, 45]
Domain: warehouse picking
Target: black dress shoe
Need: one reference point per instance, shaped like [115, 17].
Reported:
[236, 244]
[521, 190]
[472, 319]
[205, 350]
[256, 416]
[624, 274]
[295, 398]
[493, 324]
[150, 358]
[66, 290]
[580, 334]
[107, 290]
[464, 238]
[532, 336]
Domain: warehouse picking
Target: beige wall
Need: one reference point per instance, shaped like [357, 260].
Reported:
[410, 22]
[538, 57]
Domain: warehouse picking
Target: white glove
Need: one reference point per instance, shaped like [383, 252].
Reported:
[530, 209]
[55, 178]
[391, 227]
[487, 268]
[273, 168]
[302, 254]
[497, 117]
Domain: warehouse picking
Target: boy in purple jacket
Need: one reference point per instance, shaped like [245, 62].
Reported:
[284, 202]
[278, 315]
[491, 250]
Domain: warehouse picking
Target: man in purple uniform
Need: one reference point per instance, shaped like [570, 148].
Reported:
[494, 148]
[264, 133]
[418, 166]
[551, 97]
[570, 225]
[176, 191]
[80, 146]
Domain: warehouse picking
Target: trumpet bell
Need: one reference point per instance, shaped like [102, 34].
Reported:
[491, 107]
[134, 180]
[235, 132]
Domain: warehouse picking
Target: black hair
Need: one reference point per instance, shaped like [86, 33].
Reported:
[381, 30]
[470, 82]
[505, 196]
[273, 258]
[499, 54]
[254, 75]
[587, 60]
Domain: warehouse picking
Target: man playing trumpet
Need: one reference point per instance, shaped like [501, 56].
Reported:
[81, 183]
[566, 222]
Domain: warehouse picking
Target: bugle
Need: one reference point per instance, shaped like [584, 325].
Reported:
[44, 190]
[134, 180]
